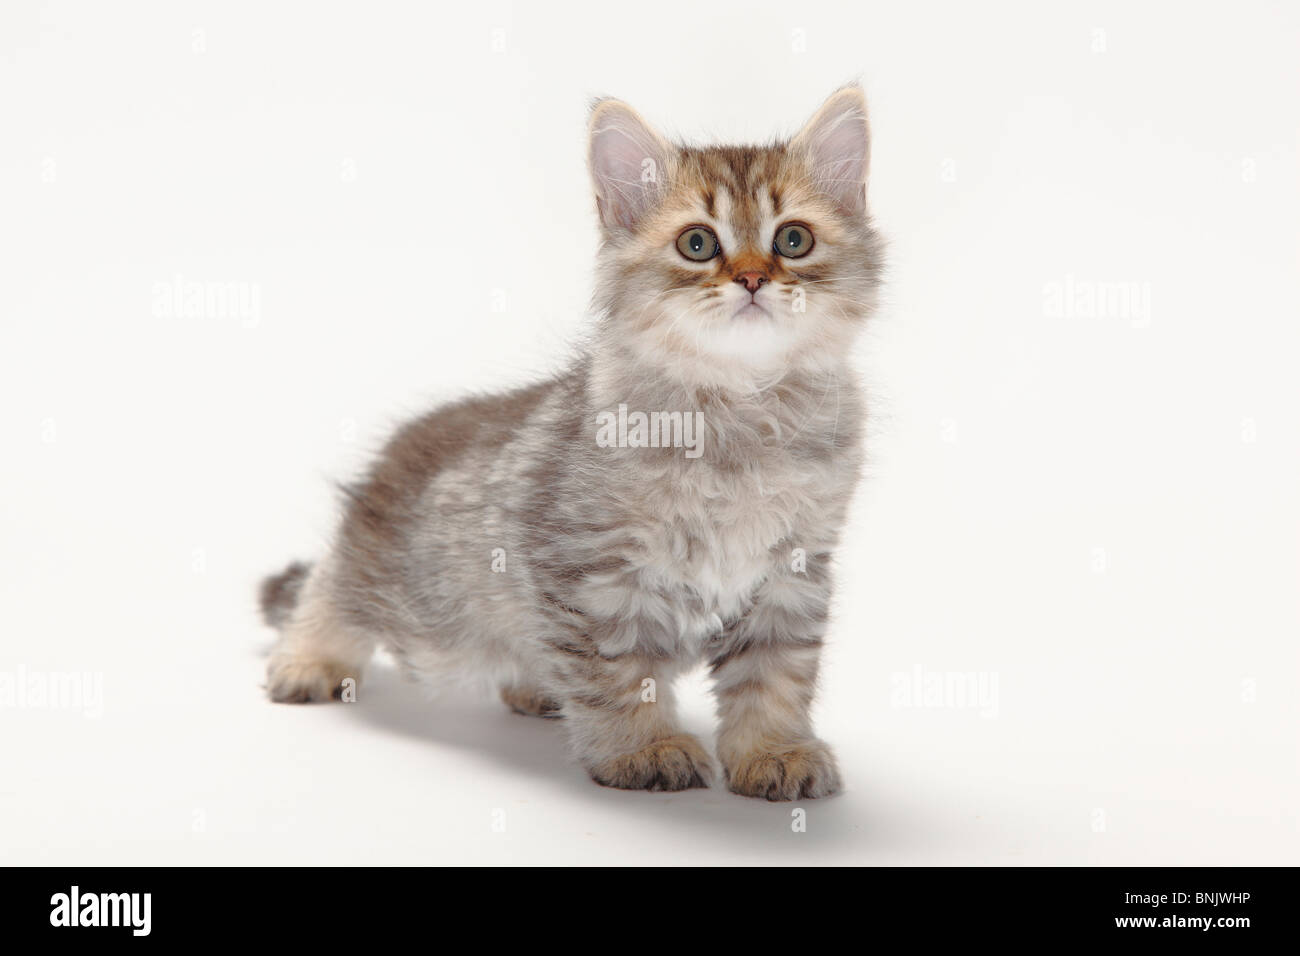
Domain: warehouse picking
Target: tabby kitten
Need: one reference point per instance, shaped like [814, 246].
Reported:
[672, 498]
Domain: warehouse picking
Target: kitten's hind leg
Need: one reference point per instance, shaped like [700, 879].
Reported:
[318, 651]
[530, 702]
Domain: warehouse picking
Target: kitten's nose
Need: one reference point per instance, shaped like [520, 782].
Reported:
[751, 280]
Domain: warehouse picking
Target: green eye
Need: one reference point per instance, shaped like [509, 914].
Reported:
[698, 244]
[793, 240]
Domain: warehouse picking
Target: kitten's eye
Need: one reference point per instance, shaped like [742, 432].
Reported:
[698, 243]
[793, 240]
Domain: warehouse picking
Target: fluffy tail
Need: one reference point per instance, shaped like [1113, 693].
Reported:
[279, 593]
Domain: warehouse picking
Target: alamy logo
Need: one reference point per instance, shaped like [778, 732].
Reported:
[1076, 298]
[53, 690]
[183, 298]
[921, 688]
[102, 909]
[653, 430]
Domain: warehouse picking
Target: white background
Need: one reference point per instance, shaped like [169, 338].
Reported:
[1099, 511]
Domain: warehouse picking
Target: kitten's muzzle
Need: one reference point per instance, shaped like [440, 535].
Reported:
[752, 281]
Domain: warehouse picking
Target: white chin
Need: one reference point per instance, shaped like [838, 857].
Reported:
[752, 337]
[751, 312]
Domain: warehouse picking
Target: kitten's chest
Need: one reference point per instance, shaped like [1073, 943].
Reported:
[716, 533]
[701, 534]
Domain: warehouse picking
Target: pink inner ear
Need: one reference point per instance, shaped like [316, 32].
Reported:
[627, 166]
[838, 146]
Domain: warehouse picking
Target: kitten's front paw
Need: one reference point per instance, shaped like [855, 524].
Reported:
[673, 763]
[787, 773]
[296, 680]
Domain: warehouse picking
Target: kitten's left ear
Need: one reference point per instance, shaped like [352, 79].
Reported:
[629, 161]
[837, 143]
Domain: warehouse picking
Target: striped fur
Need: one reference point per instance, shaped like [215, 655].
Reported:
[497, 539]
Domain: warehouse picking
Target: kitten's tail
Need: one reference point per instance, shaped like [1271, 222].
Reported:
[279, 593]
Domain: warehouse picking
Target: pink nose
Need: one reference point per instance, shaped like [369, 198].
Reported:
[751, 280]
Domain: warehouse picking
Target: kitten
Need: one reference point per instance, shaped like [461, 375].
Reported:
[674, 497]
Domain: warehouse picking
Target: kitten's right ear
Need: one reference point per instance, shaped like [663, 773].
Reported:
[629, 161]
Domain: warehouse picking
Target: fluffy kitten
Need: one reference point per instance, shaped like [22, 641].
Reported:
[581, 564]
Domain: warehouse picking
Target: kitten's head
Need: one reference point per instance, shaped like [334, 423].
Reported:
[733, 264]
